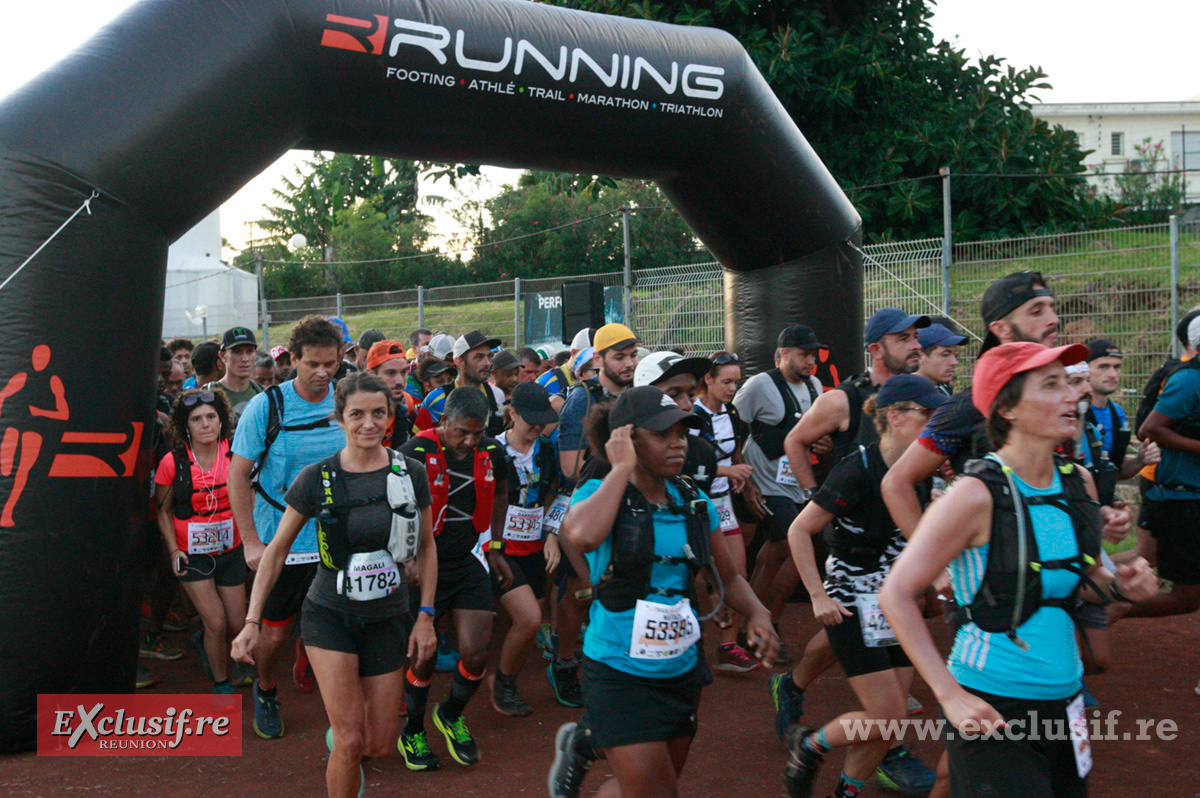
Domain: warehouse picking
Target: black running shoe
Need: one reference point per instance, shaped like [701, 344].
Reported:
[506, 700]
[802, 764]
[570, 766]
[462, 746]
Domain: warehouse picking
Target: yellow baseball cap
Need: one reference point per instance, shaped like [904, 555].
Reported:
[614, 336]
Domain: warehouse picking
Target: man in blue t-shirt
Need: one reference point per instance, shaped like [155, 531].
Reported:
[306, 434]
[1174, 424]
[1104, 373]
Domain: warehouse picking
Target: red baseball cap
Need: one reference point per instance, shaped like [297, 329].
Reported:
[1001, 363]
[383, 351]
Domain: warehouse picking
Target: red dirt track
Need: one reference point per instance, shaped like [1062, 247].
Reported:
[735, 753]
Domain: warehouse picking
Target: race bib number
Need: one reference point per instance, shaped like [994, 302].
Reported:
[554, 515]
[785, 476]
[210, 537]
[724, 505]
[663, 631]
[876, 630]
[1077, 720]
[523, 523]
[301, 558]
[370, 575]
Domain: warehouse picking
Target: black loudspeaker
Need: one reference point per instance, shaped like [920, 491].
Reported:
[582, 306]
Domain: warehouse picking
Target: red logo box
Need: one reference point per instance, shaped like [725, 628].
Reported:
[139, 725]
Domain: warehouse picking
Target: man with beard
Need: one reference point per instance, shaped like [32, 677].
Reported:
[506, 372]
[238, 351]
[531, 364]
[473, 359]
[617, 357]
[387, 360]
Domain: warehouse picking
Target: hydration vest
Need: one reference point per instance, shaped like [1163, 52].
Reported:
[627, 577]
[545, 467]
[275, 426]
[404, 539]
[770, 437]
[1105, 473]
[439, 482]
[1011, 590]
[708, 429]
[182, 488]
[858, 390]
[1188, 427]
[1122, 433]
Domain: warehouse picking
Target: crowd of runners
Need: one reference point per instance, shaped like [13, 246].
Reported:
[375, 504]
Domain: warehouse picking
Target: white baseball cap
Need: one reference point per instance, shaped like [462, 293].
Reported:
[583, 339]
[441, 346]
[664, 365]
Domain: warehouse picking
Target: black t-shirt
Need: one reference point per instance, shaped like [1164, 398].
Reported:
[458, 535]
[862, 538]
[368, 527]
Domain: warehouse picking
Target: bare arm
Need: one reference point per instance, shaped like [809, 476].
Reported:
[1158, 428]
[961, 519]
[496, 559]
[164, 495]
[812, 519]
[829, 414]
[423, 642]
[269, 568]
[899, 486]
[241, 501]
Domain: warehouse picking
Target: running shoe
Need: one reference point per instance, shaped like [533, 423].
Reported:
[802, 764]
[223, 688]
[901, 771]
[175, 622]
[550, 652]
[144, 678]
[915, 707]
[198, 644]
[242, 675]
[154, 647]
[570, 766]
[506, 700]
[447, 657]
[544, 634]
[565, 681]
[463, 748]
[733, 658]
[415, 750]
[789, 704]
[302, 672]
[267, 722]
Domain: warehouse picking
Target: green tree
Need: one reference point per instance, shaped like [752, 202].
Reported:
[882, 101]
[545, 226]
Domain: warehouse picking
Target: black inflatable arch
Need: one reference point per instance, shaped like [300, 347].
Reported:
[175, 105]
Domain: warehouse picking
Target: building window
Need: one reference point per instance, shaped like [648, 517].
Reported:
[1185, 149]
[1118, 144]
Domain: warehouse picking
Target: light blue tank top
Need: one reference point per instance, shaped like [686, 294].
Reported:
[990, 662]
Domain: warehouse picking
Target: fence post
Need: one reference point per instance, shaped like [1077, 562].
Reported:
[262, 300]
[1174, 226]
[628, 279]
[947, 239]
[516, 313]
[420, 306]
[341, 312]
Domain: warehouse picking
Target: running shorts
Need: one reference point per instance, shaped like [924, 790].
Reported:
[227, 569]
[853, 654]
[623, 709]
[380, 643]
[287, 597]
[1175, 523]
[527, 569]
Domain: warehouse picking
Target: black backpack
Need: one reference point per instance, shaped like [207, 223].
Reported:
[275, 425]
[1154, 388]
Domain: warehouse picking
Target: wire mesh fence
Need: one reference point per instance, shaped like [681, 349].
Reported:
[1120, 284]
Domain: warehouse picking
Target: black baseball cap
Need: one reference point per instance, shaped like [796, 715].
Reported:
[889, 321]
[1102, 347]
[473, 340]
[909, 388]
[369, 338]
[505, 361]
[531, 402]
[1006, 295]
[649, 408]
[436, 367]
[799, 336]
[236, 336]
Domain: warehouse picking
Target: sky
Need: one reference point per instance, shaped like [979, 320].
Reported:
[1101, 51]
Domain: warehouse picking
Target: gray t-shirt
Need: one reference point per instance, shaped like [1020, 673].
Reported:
[368, 527]
[758, 400]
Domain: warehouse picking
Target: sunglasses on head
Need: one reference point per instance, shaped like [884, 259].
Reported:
[724, 359]
[208, 397]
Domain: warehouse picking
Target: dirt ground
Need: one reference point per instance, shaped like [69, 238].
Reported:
[735, 753]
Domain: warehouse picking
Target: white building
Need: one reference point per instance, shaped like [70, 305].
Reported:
[1113, 130]
[205, 294]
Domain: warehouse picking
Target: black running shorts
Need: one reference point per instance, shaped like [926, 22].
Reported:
[1175, 523]
[461, 585]
[380, 643]
[227, 569]
[1041, 768]
[623, 709]
[286, 598]
[853, 654]
[783, 513]
[527, 569]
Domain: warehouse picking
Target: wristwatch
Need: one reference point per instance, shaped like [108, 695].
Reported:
[430, 611]
[806, 494]
[496, 545]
